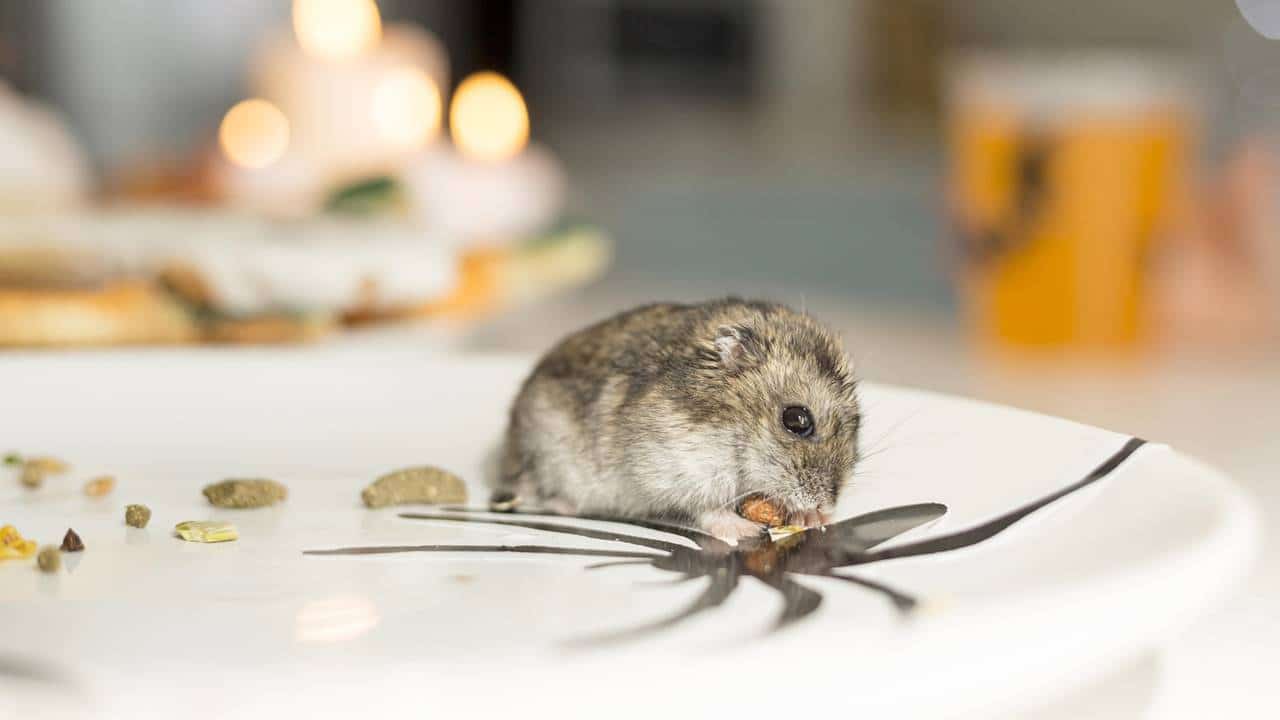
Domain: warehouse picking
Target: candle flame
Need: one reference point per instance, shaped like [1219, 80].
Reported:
[336, 29]
[488, 118]
[254, 134]
[406, 108]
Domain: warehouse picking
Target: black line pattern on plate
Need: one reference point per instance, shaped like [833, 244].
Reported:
[820, 553]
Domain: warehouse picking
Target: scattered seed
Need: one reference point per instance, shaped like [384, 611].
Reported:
[34, 470]
[32, 476]
[423, 484]
[504, 501]
[71, 542]
[100, 486]
[13, 546]
[758, 508]
[245, 493]
[206, 531]
[49, 465]
[137, 515]
[49, 559]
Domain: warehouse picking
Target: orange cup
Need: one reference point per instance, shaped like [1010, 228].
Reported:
[1064, 175]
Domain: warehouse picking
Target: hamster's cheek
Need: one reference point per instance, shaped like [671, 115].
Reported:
[766, 463]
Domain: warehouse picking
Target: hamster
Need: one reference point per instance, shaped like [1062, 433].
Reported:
[678, 412]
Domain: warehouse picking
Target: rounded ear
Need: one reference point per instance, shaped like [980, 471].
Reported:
[735, 344]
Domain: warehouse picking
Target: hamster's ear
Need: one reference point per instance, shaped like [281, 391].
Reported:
[735, 344]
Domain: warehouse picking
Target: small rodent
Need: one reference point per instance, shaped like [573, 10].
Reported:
[680, 411]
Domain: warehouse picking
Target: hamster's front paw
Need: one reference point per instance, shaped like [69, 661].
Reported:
[729, 526]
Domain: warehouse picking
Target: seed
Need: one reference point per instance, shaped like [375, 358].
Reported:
[36, 469]
[100, 486]
[757, 508]
[71, 542]
[504, 501]
[49, 559]
[423, 484]
[137, 515]
[32, 476]
[49, 465]
[245, 493]
[206, 531]
[13, 545]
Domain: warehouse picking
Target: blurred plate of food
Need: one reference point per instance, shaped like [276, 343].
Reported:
[160, 276]
[329, 201]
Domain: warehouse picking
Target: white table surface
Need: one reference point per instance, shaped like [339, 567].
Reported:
[1221, 408]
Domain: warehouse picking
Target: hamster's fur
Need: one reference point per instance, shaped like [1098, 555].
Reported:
[675, 411]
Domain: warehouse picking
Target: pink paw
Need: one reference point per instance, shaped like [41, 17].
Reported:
[809, 518]
[728, 526]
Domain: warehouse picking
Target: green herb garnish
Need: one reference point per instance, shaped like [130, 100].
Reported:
[369, 196]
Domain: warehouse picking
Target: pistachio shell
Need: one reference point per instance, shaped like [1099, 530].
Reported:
[206, 531]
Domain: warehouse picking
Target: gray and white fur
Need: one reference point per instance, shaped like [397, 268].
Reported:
[675, 412]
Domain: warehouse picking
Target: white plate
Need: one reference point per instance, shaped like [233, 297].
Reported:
[143, 624]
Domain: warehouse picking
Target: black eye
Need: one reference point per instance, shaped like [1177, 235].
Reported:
[798, 421]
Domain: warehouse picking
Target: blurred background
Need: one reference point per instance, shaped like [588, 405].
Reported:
[1069, 207]
[1099, 177]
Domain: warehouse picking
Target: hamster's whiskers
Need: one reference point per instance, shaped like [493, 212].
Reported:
[872, 453]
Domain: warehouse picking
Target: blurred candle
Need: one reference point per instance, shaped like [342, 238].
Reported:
[359, 97]
[406, 108]
[254, 134]
[255, 170]
[336, 29]
[490, 186]
[488, 118]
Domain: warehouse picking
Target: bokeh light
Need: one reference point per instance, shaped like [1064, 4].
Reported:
[406, 108]
[487, 118]
[336, 29]
[254, 134]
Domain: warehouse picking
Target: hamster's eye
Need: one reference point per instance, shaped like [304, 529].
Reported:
[798, 421]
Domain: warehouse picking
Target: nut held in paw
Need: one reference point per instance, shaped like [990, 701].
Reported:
[757, 508]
